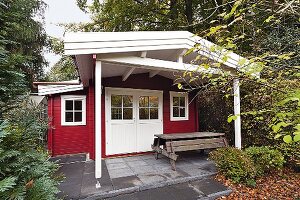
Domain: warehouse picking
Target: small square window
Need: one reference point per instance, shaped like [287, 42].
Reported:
[178, 106]
[73, 111]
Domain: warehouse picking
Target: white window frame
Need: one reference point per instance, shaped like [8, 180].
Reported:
[179, 94]
[63, 110]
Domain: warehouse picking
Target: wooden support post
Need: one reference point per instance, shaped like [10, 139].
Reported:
[237, 112]
[98, 142]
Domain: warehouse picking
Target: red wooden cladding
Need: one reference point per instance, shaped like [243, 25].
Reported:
[81, 139]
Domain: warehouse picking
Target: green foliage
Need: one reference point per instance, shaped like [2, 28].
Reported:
[25, 169]
[63, 70]
[265, 159]
[234, 164]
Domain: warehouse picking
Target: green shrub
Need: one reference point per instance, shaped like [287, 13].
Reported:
[234, 164]
[265, 159]
[291, 152]
[25, 169]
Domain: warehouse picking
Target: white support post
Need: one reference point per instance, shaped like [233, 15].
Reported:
[98, 90]
[237, 112]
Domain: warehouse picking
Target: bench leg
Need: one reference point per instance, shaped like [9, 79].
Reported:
[156, 155]
[173, 164]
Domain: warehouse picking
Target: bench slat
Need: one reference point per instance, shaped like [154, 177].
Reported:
[194, 142]
[198, 146]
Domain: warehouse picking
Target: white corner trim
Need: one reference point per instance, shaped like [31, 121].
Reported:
[179, 94]
[63, 109]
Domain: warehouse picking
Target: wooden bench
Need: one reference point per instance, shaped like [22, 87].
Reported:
[169, 144]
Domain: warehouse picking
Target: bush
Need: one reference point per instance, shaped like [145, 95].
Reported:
[234, 164]
[25, 169]
[265, 159]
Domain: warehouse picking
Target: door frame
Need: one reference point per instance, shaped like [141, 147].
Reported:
[135, 93]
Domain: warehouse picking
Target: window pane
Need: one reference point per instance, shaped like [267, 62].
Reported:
[116, 113]
[144, 113]
[78, 117]
[116, 100]
[69, 117]
[153, 113]
[175, 112]
[69, 104]
[153, 101]
[182, 112]
[144, 102]
[182, 101]
[78, 105]
[175, 101]
[127, 113]
[127, 101]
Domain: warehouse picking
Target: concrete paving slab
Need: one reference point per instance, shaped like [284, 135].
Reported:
[89, 167]
[122, 172]
[208, 186]
[114, 160]
[70, 191]
[147, 156]
[88, 185]
[151, 178]
[143, 169]
[135, 163]
[194, 171]
[119, 165]
[132, 158]
[126, 182]
[171, 175]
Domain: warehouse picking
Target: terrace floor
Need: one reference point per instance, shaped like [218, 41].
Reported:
[129, 175]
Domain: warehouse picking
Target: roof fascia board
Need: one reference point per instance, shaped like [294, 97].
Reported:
[49, 89]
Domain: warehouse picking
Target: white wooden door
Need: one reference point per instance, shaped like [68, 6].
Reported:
[132, 119]
[149, 119]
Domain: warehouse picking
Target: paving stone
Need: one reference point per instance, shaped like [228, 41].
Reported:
[154, 161]
[71, 171]
[122, 172]
[143, 169]
[208, 186]
[70, 191]
[126, 182]
[116, 166]
[194, 171]
[135, 163]
[132, 158]
[171, 175]
[114, 160]
[147, 157]
[151, 178]
[211, 167]
[89, 167]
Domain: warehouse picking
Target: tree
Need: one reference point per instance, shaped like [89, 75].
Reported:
[129, 15]
[22, 39]
[65, 68]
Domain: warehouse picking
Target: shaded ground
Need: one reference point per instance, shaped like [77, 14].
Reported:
[278, 185]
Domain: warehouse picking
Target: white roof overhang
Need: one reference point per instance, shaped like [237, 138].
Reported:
[146, 50]
[59, 87]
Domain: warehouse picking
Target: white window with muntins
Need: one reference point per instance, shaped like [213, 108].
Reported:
[179, 106]
[73, 110]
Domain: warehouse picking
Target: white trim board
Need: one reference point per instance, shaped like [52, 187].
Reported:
[55, 89]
